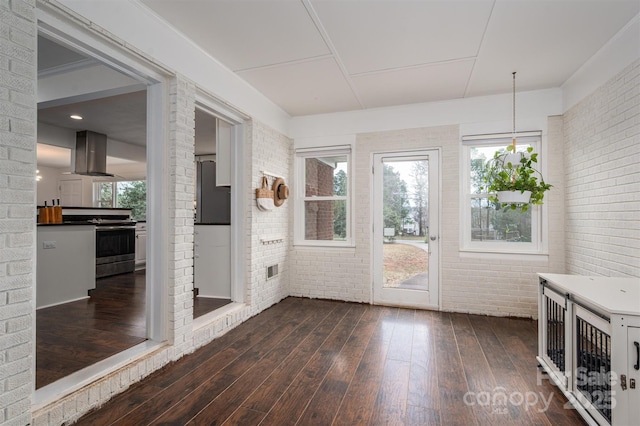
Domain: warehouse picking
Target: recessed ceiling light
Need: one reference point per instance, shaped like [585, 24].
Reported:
[76, 117]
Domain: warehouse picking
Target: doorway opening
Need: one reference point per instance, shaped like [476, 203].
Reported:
[405, 231]
[217, 208]
[112, 320]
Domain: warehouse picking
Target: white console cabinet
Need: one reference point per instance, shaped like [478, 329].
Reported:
[66, 263]
[212, 261]
[589, 344]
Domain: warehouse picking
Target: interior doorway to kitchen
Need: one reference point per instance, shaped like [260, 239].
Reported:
[217, 207]
[405, 231]
[122, 315]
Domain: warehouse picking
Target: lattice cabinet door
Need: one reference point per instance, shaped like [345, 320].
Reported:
[592, 378]
[555, 340]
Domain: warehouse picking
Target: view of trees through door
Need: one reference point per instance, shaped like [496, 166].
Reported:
[405, 218]
[405, 228]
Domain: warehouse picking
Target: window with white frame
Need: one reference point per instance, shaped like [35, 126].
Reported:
[323, 197]
[488, 226]
[122, 194]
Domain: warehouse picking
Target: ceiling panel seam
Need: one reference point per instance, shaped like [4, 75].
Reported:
[415, 66]
[287, 63]
[473, 67]
[336, 57]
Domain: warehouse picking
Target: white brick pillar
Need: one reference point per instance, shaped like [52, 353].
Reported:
[18, 31]
[180, 199]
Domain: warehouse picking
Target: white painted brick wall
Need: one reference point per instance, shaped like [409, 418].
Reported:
[271, 152]
[602, 167]
[503, 285]
[180, 200]
[468, 284]
[17, 208]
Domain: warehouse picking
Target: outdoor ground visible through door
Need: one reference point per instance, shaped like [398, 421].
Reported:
[406, 263]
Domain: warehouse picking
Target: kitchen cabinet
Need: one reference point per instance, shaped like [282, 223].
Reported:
[141, 245]
[66, 266]
[212, 261]
[589, 344]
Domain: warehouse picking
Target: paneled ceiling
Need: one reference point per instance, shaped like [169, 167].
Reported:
[323, 56]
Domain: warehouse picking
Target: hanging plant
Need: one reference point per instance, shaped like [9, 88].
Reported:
[512, 174]
[510, 177]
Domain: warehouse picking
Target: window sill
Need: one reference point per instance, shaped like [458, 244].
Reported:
[318, 245]
[504, 254]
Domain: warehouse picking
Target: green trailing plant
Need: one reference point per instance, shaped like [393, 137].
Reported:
[501, 174]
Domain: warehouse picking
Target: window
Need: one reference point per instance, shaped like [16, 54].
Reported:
[323, 197]
[125, 194]
[488, 226]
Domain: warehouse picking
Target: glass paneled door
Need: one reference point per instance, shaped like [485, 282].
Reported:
[405, 228]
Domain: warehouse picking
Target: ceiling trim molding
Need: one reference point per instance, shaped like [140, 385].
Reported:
[72, 66]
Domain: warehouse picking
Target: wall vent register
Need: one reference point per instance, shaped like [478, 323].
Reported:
[272, 271]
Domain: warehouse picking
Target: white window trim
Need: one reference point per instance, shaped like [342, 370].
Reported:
[539, 231]
[300, 198]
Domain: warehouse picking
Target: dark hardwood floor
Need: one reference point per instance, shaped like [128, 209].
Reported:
[323, 362]
[204, 305]
[74, 335]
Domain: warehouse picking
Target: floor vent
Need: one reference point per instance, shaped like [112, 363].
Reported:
[272, 271]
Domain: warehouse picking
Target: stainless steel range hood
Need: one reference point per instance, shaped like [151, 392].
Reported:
[91, 154]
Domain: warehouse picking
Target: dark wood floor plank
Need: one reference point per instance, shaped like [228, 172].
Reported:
[508, 380]
[223, 405]
[423, 377]
[204, 305]
[270, 391]
[184, 398]
[75, 335]
[518, 335]
[391, 401]
[480, 380]
[324, 405]
[244, 416]
[421, 416]
[358, 402]
[402, 336]
[292, 403]
[242, 336]
[325, 362]
[452, 382]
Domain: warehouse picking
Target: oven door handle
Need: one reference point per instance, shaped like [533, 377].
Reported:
[114, 228]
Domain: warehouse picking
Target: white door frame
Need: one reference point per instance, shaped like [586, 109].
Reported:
[387, 296]
[59, 26]
[209, 105]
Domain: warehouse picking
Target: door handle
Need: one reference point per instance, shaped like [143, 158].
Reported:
[433, 237]
[637, 366]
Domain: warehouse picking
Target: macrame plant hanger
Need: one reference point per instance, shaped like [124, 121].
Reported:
[514, 122]
[514, 113]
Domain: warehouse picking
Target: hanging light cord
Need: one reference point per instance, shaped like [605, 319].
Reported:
[514, 111]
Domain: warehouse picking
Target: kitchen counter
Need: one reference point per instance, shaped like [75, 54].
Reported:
[68, 224]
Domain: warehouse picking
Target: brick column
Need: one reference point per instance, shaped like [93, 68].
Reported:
[17, 208]
[180, 199]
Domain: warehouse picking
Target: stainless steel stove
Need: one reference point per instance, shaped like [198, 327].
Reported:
[115, 240]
